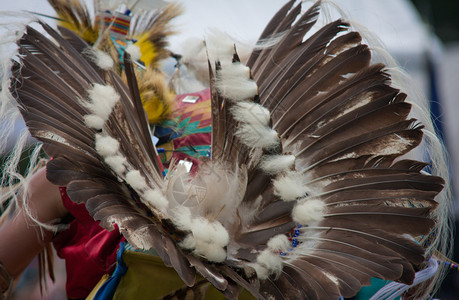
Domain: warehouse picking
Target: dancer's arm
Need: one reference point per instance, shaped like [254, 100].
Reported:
[21, 239]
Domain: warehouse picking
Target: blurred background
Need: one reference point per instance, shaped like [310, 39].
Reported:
[422, 35]
[440, 18]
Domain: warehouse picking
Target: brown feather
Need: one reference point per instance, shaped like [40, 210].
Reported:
[333, 110]
[323, 286]
[196, 292]
[273, 26]
[348, 281]
[209, 272]
[289, 41]
[58, 123]
[301, 64]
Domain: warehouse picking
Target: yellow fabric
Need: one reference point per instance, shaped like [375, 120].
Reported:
[148, 278]
[97, 287]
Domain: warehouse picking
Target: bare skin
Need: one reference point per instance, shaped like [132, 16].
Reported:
[22, 239]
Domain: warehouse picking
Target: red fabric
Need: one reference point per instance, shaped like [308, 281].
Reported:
[88, 249]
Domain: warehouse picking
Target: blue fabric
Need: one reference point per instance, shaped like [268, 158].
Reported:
[107, 290]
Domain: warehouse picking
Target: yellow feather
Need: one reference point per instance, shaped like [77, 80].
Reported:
[157, 99]
[155, 109]
[87, 34]
[147, 49]
[77, 18]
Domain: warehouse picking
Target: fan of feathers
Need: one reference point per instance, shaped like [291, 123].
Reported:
[305, 194]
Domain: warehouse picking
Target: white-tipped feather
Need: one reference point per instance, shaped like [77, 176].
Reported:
[156, 198]
[257, 136]
[134, 52]
[136, 180]
[275, 164]
[251, 113]
[106, 145]
[278, 243]
[289, 186]
[116, 163]
[308, 211]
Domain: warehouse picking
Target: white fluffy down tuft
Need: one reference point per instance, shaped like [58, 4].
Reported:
[235, 70]
[101, 100]
[257, 136]
[289, 186]
[100, 58]
[275, 164]
[220, 46]
[278, 243]
[251, 113]
[106, 145]
[272, 261]
[210, 232]
[117, 163]
[262, 271]
[136, 180]
[134, 52]
[188, 242]
[103, 60]
[181, 217]
[208, 239]
[232, 85]
[308, 212]
[93, 121]
[156, 198]
[211, 252]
